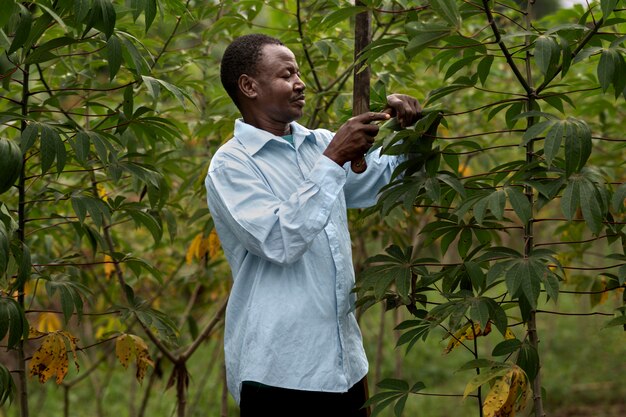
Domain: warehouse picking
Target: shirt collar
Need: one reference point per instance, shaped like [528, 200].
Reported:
[254, 139]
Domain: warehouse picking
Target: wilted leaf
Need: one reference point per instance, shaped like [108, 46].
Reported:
[508, 394]
[497, 395]
[51, 358]
[467, 333]
[127, 347]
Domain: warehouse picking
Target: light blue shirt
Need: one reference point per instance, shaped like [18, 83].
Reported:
[280, 212]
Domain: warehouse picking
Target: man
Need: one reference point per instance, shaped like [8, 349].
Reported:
[278, 194]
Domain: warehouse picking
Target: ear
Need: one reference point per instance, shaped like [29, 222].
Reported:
[247, 86]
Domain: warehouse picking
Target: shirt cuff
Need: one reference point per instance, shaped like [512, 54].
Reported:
[328, 175]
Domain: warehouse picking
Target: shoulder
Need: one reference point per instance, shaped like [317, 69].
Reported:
[228, 153]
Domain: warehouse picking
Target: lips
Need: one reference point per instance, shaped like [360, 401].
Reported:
[299, 100]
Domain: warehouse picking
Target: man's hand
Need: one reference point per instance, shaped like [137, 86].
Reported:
[406, 109]
[355, 137]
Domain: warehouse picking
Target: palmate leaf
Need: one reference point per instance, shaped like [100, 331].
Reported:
[397, 391]
[547, 54]
[607, 7]
[71, 294]
[51, 359]
[129, 346]
[577, 145]
[422, 35]
[12, 322]
[582, 190]
[520, 203]
[8, 390]
[395, 267]
[448, 11]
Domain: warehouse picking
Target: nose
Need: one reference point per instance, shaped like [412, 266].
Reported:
[299, 84]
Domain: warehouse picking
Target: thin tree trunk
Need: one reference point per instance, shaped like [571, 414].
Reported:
[361, 89]
[21, 233]
[533, 337]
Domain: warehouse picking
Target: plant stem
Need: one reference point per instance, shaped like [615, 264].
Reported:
[504, 49]
[21, 234]
[529, 231]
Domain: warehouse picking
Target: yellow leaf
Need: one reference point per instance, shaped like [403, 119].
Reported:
[214, 244]
[508, 334]
[467, 333]
[518, 392]
[203, 248]
[48, 322]
[124, 349]
[102, 192]
[193, 248]
[128, 346]
[498, 395]
[109, 266]
[50, 359]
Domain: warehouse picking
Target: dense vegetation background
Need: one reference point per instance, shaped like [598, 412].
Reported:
[501, 252]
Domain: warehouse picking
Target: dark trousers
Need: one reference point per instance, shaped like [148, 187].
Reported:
[265, 401]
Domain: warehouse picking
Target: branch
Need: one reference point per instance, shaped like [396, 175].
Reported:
[505, 51]
[318, 84]
[205, 333]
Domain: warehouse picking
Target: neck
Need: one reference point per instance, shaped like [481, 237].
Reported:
[274, 127]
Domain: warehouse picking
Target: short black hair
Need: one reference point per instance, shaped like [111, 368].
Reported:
[242, 57]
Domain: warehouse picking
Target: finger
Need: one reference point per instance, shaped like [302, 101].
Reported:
[372, 117]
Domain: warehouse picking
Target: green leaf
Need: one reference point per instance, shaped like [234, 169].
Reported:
[153, 88]
[422, 35]
[150, 13]
[4, 249]
[617, 202]
[465, 242]
[506, 347]
[484, 377]
[536, 130]
[456, 66]
[496, 203]
[24, 24]
[24, 265]
[114, 56]
[590, 205]
[108, 16]
[447, 10]
[484, 68]
[340, 14]
[571, 197]
[546, 53]
[528, 360]
[43, 54]
[9, 8]
[54, 16]
[81, 147]
[12, 322]
[51, 148]
[607, 7]
[577, 146]
[8, 390]
[520, 204]
[71, 294]
[552, 144]
[28, 137]
[145, 219]
[606, 68]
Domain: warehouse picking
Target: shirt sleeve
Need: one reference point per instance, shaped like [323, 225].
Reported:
[276, 230]
[361, 190]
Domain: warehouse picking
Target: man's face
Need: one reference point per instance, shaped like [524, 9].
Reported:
[280, 91]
